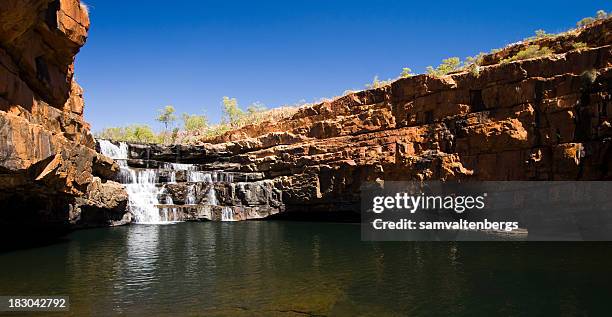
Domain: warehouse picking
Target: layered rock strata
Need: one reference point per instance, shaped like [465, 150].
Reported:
[545, 118]
[50, 173]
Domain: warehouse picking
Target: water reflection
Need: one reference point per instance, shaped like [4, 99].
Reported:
[278, 268]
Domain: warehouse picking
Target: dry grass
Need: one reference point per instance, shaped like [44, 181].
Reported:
[210, 132]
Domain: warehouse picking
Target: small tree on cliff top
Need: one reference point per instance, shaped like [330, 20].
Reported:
[448, 65]
[166, 116]
[194, 122]
[231, 112]
[256, 107]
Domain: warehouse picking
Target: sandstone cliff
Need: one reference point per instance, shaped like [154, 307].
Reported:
[47, 159]
[537, 119]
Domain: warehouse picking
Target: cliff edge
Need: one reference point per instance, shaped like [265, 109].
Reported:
[50, 173]
[544, 118]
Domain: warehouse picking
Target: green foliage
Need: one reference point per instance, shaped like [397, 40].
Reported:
[141, 133]
[174, 135]
[194, 122]
[406, 72]
[166, 116]
[256, 107]
[531, 51]
[132, 133]
[231, 111]
[474, 70]
[584, 22]
[539, 34]
[474, 60]
[579, 45]
[448, 65]
[599, 15]
[376, 83]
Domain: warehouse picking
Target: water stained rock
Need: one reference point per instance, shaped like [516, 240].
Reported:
[170, 191]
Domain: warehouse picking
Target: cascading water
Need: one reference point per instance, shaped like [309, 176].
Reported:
[150, 202]
[140, 185]
[227, 214]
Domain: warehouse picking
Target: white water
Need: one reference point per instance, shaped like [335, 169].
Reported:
[144, 194]
[190, 198]
[211, 196]
[115, 152]
[227, 214]
[140, 186]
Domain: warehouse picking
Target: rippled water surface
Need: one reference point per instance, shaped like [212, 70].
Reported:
[297, 269]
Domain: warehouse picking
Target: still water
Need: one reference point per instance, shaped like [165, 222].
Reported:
[298, 269]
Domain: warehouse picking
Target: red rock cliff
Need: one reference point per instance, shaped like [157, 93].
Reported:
[545, 118]
[47, 156]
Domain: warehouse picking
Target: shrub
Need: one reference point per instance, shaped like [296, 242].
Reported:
[376, 83]
[599, 15]
[579, 45]
[474, 60]
[531, 51]
[539, 34]
[231, 111]
[132, 133]
[256, 107]
[584, 22]
[406, 72]
[194, 122]
[448, 65]
[474, 70]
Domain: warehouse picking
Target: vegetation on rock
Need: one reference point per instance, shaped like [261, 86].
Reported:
[196, 128]
[531, 51]
[448, 65]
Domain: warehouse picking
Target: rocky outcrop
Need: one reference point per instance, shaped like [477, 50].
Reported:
[47, 156]
[546, 118]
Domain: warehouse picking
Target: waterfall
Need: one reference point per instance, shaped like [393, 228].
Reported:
[113, 151]
[227, 214]
[150, 198]
[140, 185]
[190, 198]
[142, 194]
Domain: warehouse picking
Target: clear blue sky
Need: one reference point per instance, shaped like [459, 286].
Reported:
[142, 55]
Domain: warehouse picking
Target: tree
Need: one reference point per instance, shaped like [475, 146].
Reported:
[448, 65]
[144, 133]
[585, 21]
[194, 122]
[231, 111]
[406, 72]
[377, 83]
[601, 14]
[539, 34]
[166, 116]
[256, 107]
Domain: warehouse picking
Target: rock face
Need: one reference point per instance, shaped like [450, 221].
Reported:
[546, 118]
[47, 156]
